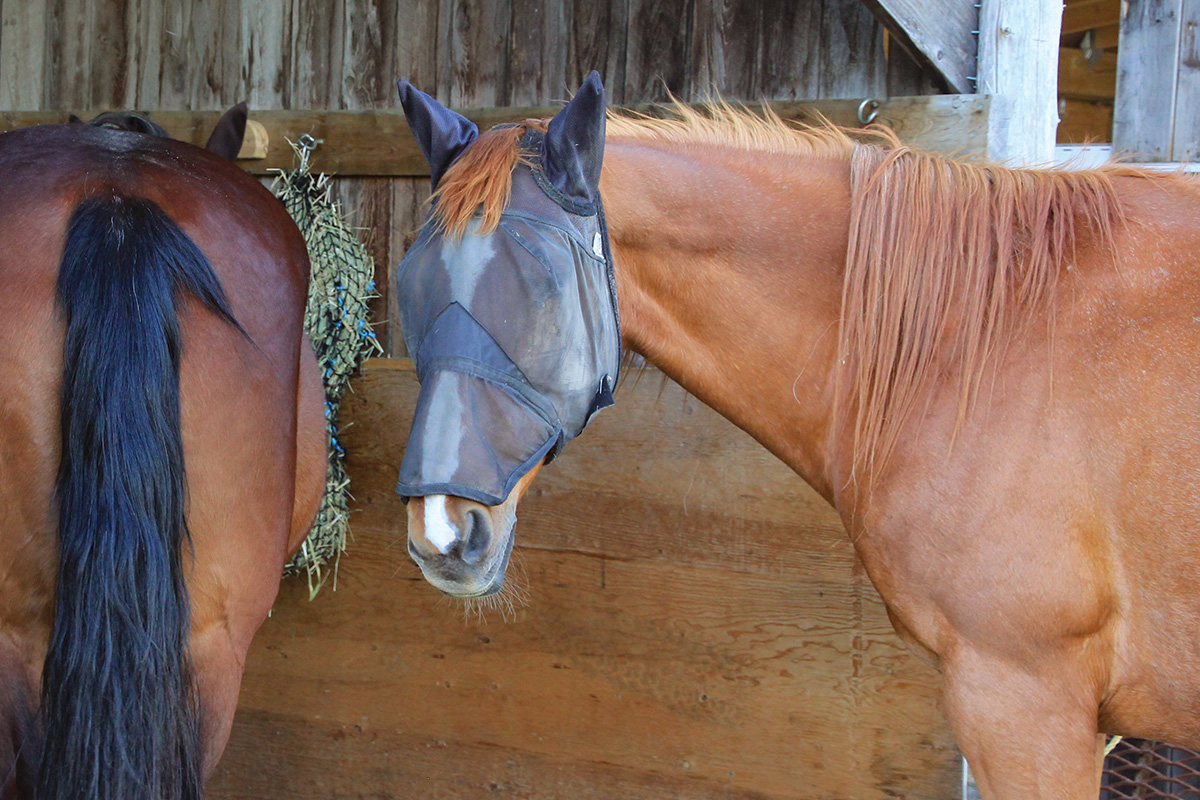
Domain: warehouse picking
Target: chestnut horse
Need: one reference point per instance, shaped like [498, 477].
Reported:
[161, 453]
[991, 373]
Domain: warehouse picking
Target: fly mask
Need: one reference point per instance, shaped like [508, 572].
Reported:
[514, 332]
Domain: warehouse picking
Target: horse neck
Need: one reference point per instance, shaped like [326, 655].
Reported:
[729, 278]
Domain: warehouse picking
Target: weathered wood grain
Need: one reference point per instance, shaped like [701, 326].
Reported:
[658, 58]
[697, 627]
[597, 39]
[416, 46]
[318, 31]
[144, 53]
[474, 35]
[1018, 65]
[791, 66]
[110, 45]
[852, 63]
[726, 51]
[66, 73]
[361, 143]
[1147, 73]
[267, 52]
[1185, 145]
[942, 32]
[537, 53]
[906, 76]
[410, 198]
[22, 54]
[368, 69]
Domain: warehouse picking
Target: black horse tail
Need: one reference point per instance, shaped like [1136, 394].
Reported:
[120, 715]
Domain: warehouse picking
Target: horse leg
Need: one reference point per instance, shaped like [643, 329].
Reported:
[218, 664]
[1025, 735]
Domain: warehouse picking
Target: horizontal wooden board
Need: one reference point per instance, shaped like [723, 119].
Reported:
[378, 143]
[697, 626]
[1082, 15]
[1079, 80]
[1081, 122]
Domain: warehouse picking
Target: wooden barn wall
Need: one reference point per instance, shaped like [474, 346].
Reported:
[81, 55]
[697, 625]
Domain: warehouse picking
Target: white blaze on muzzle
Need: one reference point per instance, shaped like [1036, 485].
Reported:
[439, 531]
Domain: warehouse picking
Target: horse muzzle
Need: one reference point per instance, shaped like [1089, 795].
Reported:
[458, 545]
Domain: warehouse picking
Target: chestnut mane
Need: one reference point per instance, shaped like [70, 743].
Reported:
[947, 258]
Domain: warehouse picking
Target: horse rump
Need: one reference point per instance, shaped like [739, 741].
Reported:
[119, 710]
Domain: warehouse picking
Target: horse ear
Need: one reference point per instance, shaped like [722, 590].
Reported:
[227, 135]
[441, 133]
[575, 144]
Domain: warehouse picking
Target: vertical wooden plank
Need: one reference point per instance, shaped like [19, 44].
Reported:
[597, 40]
[416, 45]
[537, 53]
[22, 54]
[791, 51]
[658, 57]
[267, 42]
[726, 48]
[1018, 65]
[1147, 71]
[410, 198]
[144, 74]
[201, 55]
[419, 60]
[1186, 140]
[317, 47]
[368, 72]
[67, 79]
[852, 62]
[369, 57]
[110, 54]
[173, 88]
[473, 38]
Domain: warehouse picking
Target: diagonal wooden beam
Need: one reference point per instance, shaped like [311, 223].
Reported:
[941, 33]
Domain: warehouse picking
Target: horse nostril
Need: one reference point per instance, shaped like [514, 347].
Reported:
[479, 538]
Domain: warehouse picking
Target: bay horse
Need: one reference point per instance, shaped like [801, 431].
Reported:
[991, 373]
[161, 453]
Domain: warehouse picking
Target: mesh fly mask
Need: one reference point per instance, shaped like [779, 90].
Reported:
[514, 333]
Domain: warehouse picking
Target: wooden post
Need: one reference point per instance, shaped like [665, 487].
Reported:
[1018, 66]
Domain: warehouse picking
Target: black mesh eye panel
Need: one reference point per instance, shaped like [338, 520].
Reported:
[516, 342]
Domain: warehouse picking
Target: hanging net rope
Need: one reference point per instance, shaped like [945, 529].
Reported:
[337, 321]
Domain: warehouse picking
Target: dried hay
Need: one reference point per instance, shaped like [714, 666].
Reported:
[337, 321]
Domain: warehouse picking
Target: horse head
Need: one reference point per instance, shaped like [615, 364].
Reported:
[512, 324]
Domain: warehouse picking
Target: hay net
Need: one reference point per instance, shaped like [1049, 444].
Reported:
[337, 321]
